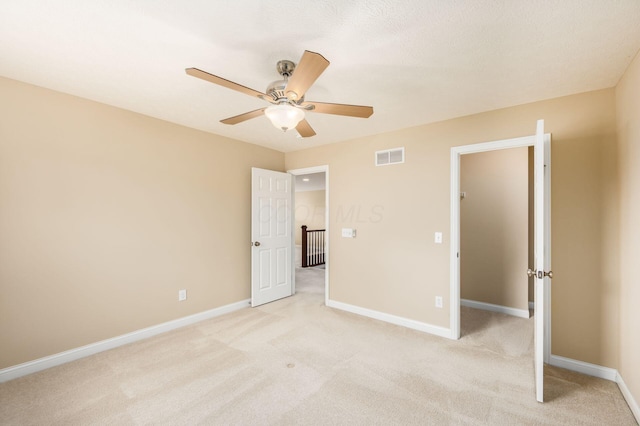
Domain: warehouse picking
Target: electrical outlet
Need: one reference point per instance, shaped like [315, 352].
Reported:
[182, 295]
[438, 301]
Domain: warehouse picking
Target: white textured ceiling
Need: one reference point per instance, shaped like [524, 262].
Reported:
[310, 182]
[414, 61]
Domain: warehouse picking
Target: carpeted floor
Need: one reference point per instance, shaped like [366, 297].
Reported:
[297, 362]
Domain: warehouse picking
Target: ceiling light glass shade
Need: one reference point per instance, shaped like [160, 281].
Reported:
[284, 116]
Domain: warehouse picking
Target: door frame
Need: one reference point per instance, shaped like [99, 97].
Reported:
[307, 171]
[456, 152]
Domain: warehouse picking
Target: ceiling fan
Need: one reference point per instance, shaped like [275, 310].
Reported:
[287, 95]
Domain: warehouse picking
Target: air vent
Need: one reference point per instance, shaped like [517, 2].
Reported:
[390, 156]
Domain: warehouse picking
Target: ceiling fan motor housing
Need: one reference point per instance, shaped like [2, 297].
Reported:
[277, 89]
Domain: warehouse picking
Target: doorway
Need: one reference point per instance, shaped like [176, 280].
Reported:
[455, 297]
[310, 209]
[496, 230]
[495, 245]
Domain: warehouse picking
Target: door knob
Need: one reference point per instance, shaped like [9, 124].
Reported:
[257, 244]
[532, 273]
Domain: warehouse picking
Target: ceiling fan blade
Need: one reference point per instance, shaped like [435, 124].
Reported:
[307, 71]
[195, 72]
[304, 129]
[340, 109]
[243, 117]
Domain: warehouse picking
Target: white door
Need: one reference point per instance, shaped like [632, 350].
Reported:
[271, 237]
[542, 272]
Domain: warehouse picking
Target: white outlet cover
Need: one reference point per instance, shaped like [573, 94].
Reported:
[438, 301]
[182, 295]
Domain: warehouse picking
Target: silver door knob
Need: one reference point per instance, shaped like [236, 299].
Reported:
[531, 273]
[549, 274]
[257, 244]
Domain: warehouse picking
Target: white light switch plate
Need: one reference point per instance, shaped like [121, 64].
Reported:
[348, 233]
[438, 238]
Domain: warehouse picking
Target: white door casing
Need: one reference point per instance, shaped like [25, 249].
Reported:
[271, 236]
[305, 171]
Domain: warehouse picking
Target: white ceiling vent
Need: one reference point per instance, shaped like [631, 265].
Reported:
[390, 156]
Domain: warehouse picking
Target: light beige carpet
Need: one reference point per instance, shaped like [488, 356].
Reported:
[297, 362]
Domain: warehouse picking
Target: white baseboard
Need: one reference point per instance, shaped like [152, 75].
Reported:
[40, 364]
[633, 405]
[602, 373]
[521, 313]
[405, 322]
[584, 367]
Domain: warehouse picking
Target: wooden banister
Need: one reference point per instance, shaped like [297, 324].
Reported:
[313, 244]
[304, 246]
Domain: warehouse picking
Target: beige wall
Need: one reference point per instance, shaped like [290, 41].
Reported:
[494, 227]
[310, 211]
[393, 265]
[628, 124]
[105, 214]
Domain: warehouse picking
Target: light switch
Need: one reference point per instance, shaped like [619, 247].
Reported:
[438, 238]
[348, 233]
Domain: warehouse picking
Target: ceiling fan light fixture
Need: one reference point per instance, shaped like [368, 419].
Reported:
[287, 95]
[283, 116]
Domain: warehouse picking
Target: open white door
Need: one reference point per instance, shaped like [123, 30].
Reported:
[271, 237]
[542, 272]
